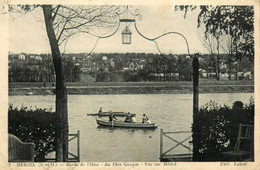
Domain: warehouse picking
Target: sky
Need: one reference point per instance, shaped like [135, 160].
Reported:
[27, 34]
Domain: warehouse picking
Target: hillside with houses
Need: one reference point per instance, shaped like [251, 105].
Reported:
[119, 67]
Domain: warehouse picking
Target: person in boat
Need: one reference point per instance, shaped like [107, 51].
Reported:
[133, 119]
[128, 118]
[112, 117]
[145, 119]
[100, 110]
[148, 122]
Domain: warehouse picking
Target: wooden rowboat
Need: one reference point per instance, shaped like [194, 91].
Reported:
[121, 114]
[124, 124]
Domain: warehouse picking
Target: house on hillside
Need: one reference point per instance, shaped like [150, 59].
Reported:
[32, 56]
[136, 64]
[104, 65]
[21, 56]
[104, 58]
[211, 75]
[223, 76]
[39, 58]
[248, 75]
[164, 76]
[112, 62]
[132, 66]
[125, 69]
[203, 73]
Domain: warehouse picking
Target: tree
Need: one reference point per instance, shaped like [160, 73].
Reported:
[236, 21]
[184, 68]
[61, 23]
[229, 47]
[212, 44]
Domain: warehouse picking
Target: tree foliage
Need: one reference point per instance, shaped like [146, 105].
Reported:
[36, 126]
[236, 21]
[218, 128]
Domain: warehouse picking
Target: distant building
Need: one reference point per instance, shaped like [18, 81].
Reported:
[212, 75]
[131, 66]
[39, 58]
[112, 62]
[248, 75]
[135, 65]
[175, 57]
[21, 56]
[223, 76]
[203, 73]
[104, 58]
[140, 66]
[125, 68]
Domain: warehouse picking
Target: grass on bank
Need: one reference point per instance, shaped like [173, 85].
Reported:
[171, 83]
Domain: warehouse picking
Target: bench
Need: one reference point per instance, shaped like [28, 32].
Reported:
[19, 151]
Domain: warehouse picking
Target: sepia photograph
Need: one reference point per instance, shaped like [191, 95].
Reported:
[125, 85]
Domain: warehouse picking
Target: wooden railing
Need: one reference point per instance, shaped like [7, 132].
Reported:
[73, 157]
[164, 156]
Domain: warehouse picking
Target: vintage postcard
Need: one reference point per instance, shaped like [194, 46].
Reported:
[143, 85]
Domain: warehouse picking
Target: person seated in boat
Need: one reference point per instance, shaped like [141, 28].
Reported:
[128, 118]
[133, 119]
[148, 121]
[100, 110]
[112, 117]
[145, 118]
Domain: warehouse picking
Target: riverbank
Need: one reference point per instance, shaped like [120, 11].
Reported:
[134, 88]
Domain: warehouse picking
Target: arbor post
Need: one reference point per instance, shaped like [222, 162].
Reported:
[195, 128]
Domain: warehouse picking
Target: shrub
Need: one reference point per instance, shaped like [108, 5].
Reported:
[218, 127]
[36, 126]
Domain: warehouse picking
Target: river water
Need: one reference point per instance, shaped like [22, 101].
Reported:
[172, 112]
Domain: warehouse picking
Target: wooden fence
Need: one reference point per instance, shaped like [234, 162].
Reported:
[73, 157]
[165, 156]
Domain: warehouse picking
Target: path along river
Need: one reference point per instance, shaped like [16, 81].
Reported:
[173, 112]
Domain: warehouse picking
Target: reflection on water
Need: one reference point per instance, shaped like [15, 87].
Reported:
[172, 112]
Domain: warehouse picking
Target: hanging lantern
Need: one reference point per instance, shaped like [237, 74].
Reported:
[126, 36]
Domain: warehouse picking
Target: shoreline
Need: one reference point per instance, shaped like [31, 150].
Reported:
[114, 90]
